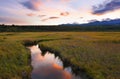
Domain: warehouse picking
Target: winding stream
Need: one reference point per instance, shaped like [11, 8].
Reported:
[48, 66]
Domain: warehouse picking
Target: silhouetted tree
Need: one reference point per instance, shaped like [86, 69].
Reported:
[13, 25]
[3, 24]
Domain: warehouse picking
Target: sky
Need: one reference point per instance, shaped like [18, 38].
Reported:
[55, 12]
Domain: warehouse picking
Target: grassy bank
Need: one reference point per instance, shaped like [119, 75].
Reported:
[14, 61]
[96, 52]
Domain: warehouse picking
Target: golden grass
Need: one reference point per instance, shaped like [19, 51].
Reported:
[96, 52]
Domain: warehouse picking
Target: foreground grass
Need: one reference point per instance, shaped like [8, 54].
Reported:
[96, 52]
[14, 60]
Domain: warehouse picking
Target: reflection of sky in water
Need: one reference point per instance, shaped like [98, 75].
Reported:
[47, 66]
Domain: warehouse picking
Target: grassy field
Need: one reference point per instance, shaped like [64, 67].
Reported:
[98, 53]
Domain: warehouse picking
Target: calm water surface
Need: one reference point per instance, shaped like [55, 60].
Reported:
[48, 66]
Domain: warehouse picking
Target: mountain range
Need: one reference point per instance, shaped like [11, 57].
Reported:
[105, 22]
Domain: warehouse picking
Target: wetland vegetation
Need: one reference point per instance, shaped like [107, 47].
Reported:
[96, 53]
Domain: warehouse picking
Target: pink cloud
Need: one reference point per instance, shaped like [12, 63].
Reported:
[33, 4]
[65, 0]
[11, 20]
[30, 14]
[44, 19]
[64, 13]
[53, 17]
[36, 3]
[41, 15]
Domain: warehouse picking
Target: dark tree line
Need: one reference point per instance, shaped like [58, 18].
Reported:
[35, 28]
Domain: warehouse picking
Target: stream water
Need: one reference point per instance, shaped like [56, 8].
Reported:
[48, 66]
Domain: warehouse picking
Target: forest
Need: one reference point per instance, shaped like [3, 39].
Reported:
[59, 28]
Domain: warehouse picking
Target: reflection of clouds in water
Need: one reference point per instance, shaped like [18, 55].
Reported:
[50, 72]
[48, 66]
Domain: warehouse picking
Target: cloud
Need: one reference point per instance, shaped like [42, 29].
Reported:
[41, 16]
[81, 17]
[9, 20]
[44, 19]
[30, 14]
[65, 0]
[106, 7]
[32, 4]
[64, 13]
[43, 4]
[53, 17]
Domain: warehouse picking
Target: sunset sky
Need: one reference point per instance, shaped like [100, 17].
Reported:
[54, 12]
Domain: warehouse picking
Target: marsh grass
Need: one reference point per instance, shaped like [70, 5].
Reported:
[100, 60]
[97, 53]
[14, 59]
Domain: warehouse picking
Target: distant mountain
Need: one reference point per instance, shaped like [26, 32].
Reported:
[105, 22]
